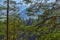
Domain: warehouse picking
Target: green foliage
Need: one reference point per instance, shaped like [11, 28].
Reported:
[46, 28]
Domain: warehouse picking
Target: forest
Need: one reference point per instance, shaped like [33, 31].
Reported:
[30, 20]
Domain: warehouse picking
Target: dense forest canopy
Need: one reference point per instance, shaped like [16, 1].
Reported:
[31, 20]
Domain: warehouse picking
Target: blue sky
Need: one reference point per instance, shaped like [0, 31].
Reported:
[23, 8]
[35, 0]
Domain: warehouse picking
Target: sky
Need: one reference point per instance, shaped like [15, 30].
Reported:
[35, 0]
[23, 8]
[18, 0]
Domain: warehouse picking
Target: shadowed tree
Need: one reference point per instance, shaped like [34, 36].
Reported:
[46, 28]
